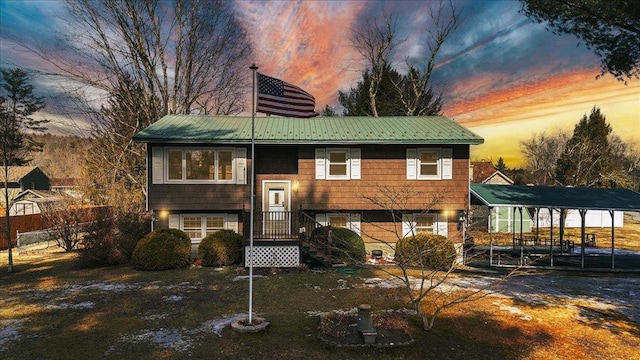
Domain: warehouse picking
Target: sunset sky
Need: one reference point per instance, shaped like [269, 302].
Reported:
[504, 76]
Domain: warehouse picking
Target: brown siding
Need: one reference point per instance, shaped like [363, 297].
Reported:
[199, 197]
[382, 167]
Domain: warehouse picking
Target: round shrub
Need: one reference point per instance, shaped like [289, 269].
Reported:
[425, 250]
[347, 245]
[222, 248]
[162, 249]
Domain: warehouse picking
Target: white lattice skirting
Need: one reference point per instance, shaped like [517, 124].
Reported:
[273, 256]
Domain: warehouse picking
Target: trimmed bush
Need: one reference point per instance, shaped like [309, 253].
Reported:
[348, 246]
[425, 250]
[222, 248]
[161, 250]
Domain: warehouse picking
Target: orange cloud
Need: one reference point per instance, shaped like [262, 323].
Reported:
[508, 115]
[305, 43]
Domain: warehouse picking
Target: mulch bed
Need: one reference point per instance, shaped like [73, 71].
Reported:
[339, 328]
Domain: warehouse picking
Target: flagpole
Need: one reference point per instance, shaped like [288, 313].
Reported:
[251, 207]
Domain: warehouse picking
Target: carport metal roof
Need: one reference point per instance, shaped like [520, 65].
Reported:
[556, 197]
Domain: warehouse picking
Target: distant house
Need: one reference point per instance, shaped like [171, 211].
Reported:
[503, 219]
[21, 178]
[31, 202]
[309, 173]
[69, 186]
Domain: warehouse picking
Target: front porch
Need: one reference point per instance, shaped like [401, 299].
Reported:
[281, 238]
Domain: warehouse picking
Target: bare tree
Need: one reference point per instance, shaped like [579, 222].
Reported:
[136, 61]
[541, 152]
[187, 56]
[429, 288]
[63, 220]
[377, 45]
[445, 21]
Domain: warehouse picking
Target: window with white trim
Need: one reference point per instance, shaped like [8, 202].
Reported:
[338, 163]
[344, 220]
[200, 165]
[197, 226]
[429, 163]
[431, 223]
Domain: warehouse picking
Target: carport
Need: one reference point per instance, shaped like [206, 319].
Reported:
[556, 198]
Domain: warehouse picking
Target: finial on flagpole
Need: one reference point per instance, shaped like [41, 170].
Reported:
[253, 67]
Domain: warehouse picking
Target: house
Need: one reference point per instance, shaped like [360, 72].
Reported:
[502, 219]
[31, 202]
[69, 186]
[308, 173]
[21, 178]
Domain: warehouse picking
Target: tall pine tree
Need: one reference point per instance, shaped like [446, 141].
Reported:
[586, 159]
[17, 104]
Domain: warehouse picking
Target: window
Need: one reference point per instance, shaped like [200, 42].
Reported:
[432, 223]
[344, 220]
[200, 165]
[429, 164]
[197, 226]
[424, 223]
[338, 221]
[338, 164]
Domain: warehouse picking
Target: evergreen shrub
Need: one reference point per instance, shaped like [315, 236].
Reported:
[426, 250]
[221, 248]
[161, 250]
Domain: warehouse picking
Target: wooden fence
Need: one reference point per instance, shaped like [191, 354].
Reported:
[26, 223]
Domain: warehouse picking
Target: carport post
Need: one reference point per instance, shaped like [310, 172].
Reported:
[613, 256]
[583, 214]
[490, 239]
[551, 234]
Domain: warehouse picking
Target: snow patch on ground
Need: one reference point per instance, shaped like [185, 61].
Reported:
[9, 331]
[180, 340]
[67, 306]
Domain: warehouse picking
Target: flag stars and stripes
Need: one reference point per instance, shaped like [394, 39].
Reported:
[277, 97]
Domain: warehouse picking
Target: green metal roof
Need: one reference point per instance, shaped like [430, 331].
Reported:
[282, 130]
[557, 197]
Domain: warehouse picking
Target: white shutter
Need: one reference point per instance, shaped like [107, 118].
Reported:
[441, 225]
[157, 165]
[320, 164]
[412, 164]
[241, 165]
[322, 219]
[355, 163]
[354, 223]
[447, 163]
[408, 225]
[232, 222]
[174, 221]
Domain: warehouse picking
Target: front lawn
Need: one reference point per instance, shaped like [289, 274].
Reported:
[51, 309]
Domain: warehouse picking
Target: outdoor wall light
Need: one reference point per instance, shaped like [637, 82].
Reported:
[295, 186]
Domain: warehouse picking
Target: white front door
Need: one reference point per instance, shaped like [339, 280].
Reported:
[276, 204]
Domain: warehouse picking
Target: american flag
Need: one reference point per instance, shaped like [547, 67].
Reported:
[276, 97]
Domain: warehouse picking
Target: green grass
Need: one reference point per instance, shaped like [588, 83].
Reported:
[51, 309]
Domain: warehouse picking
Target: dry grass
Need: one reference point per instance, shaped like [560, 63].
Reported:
[50, 309]
[627, 238]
